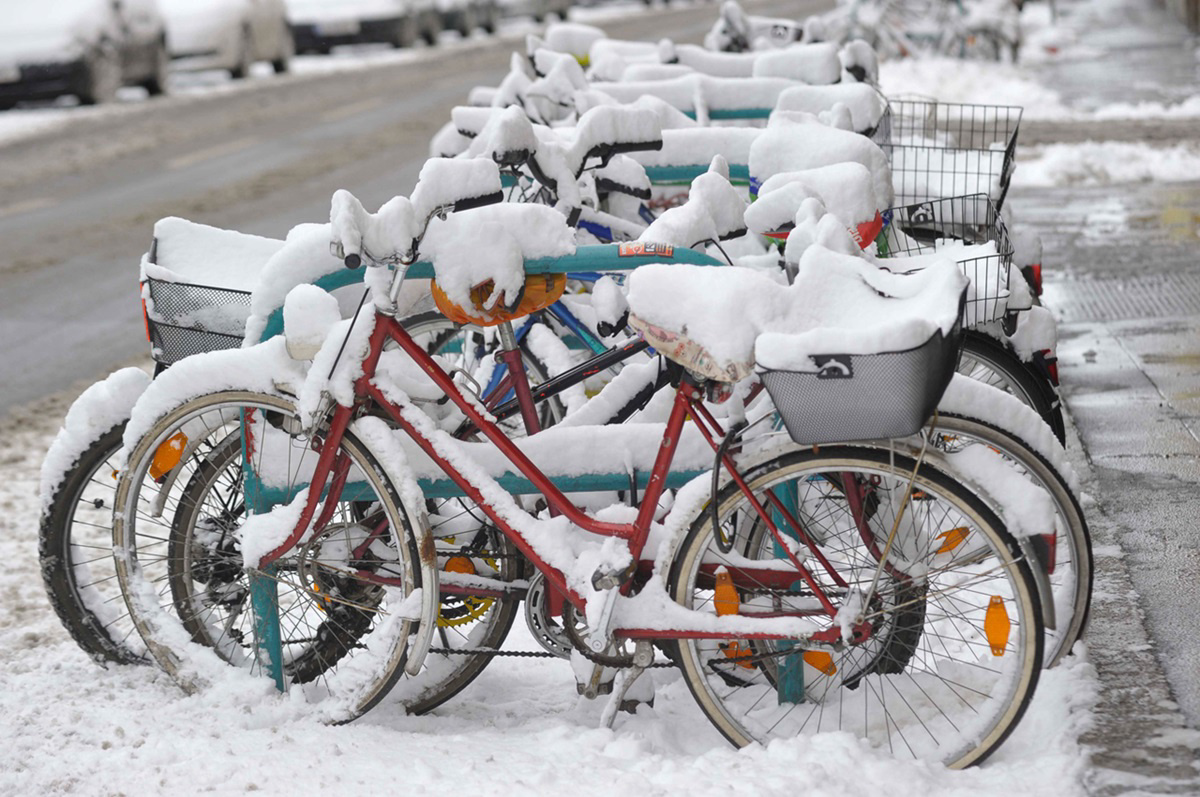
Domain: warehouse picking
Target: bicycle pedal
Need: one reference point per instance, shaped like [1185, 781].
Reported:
[591, 692]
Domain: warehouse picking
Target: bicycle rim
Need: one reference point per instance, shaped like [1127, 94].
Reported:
[938, 692]
[1071, 579]
[341, 646]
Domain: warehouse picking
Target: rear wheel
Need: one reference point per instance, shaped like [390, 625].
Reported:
[245, 56]
[404, 33]
[955, 641]
[75, 553]
[994, 363]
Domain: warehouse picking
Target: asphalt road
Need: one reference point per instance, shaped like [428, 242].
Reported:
[77, 205]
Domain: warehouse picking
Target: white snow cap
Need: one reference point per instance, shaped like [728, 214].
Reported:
[814, 64]
[444, 181]
[859, 58]
[189, 252]
[714, 211]
[696, 145]
[865, 103]
[813, 226]
[788, 146]
[837, 304]
[448, 142]
[845, 189]
[308, 315]
[573, 38]
[509, 234]
[506, 131]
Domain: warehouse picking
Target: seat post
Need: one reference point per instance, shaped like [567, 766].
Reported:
[510, 354]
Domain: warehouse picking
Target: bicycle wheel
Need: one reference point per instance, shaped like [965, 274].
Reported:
[178, 529]
[1071, 578]
[949, 690]
[471, 626]
[994, 363]
[75, 553]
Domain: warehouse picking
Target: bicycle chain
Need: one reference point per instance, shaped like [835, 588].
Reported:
[521, 654]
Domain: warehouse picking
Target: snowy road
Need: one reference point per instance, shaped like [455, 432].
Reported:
[78, 201]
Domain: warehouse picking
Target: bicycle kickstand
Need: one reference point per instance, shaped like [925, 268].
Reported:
[643, 657]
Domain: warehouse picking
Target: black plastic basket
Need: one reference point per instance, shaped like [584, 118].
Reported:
[944, 149]
[915, 230]
[865, 396]
[186, 319]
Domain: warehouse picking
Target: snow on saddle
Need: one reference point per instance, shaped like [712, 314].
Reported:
[720, 323]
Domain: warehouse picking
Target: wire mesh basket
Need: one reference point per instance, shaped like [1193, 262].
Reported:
[940, 225]
[865, 396]
[881, 133]
[185, 319]
[944, 149]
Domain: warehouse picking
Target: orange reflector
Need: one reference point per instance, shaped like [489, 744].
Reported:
[996, 625]
[952, 539]
[168, 455]
[820, 660]
[459, 564]
[726, 599]
[321, 599]
[727, 602]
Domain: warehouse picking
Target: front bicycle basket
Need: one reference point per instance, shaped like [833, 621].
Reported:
[944, 149]
[974, 221]
[865, 396]
[183, 319]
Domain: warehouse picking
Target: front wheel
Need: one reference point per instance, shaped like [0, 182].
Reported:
[103, 77]
[157, 83]
[955, 642]
[324, 614]
[287, 50]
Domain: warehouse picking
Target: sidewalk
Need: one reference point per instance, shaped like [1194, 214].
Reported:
[1122, 267]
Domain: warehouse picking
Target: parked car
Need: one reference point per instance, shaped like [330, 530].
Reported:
[466, 15]
[318, 25]
[540, 10]
[89, 48]
[228, 34]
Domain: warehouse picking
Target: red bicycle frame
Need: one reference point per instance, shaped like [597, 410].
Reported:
[333, 469]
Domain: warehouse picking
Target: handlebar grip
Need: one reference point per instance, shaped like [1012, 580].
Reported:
[353, 261]
[478, 201]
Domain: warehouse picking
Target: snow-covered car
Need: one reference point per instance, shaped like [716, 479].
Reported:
[466, 15]
[228, 34]
[540, 10]
[89, 48]
[318, 25]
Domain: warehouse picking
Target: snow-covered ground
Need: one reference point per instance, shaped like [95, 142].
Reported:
[520, 728]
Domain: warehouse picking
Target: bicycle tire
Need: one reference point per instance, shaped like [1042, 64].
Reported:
[339, 693]
[76, 557]
[1074, 567]
[1003, 685]
[995, 363]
